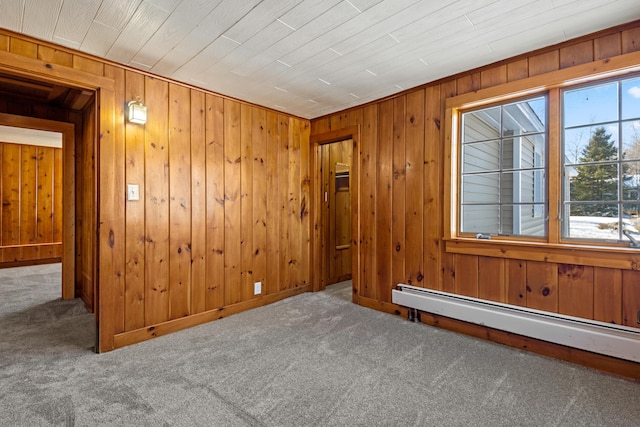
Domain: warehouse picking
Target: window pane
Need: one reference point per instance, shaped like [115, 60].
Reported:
[523, 187]
[631, 181]
[481, 125]
[631, 140]
[502, 168]
[631, 218]
[524, 117]
[507, 188]
[479, 219]
[593, 184]
[631, 99]
[601, 223]
[594, 104]
[523, 152]
[525, 220]
[480, 188]
[481, 156]
[591, 144]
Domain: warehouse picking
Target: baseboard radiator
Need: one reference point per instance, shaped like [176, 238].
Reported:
[598, 337]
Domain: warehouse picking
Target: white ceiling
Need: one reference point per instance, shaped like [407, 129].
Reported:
[310, 57]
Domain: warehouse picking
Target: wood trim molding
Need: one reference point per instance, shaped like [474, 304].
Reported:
[614, 257]
[599, 362]
[596, 361]
[583, 73]
[29, 67]
[335, 135]
[316, 140]
[164, 328]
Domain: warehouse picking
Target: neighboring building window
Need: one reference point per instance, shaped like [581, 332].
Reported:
[502, 164]
[601, 160]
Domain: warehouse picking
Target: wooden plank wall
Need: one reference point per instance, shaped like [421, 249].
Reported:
[401, 200]
[224, 200]
[31, 194]
[86, 209]
[207, 168]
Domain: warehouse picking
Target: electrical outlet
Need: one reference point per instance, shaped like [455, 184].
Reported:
[257, 288]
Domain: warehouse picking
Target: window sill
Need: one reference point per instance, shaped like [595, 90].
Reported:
[596, 256]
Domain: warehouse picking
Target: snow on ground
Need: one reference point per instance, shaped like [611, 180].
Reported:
[588, 227]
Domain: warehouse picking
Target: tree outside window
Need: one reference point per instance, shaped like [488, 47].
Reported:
[602, 160]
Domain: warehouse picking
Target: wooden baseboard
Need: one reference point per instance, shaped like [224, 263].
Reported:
[138, 335]
[386, 307]
[26, 263]
[611, 365]
[88, 304]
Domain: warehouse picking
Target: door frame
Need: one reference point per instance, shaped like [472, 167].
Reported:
[316, 141]
[330, 252]
[107, 262]
[68, 189]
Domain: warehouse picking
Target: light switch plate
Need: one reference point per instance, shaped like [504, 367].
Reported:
[133, 192]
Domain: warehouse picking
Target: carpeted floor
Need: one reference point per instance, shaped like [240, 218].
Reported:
[311, 360]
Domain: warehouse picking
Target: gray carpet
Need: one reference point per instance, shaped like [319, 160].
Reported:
[314, 359]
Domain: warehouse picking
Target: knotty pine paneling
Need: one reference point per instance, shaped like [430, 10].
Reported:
[28, 197]
[432, 189]
[116, 189]
[31, 195]
[294, 205]
[384, 201]
[134, 278]
[232, 203]
[575, 290]
[198, 178]
[85, 204]
[156, 202]
[414, 199]
[369, 155]
[286, 279]
[224, 199]
[179, 145]
[246, 202]
[401, 163]
[208, 169]
[217, 203]
[259, 197]
[207, 191]
[272, 278]
[607, 295]
[398, 190]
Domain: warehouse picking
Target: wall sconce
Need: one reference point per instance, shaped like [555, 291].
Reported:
[137, 112]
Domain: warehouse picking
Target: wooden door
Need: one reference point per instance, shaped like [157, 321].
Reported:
[336, 171]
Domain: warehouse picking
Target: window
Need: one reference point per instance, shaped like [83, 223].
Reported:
[502, 164]
[547, 167]
[601, 161]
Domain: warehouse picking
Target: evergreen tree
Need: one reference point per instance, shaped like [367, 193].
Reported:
[597, 182]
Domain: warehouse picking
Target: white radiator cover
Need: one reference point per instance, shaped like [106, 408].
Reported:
[598, 337]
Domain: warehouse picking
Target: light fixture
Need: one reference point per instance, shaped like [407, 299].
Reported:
[137, 112]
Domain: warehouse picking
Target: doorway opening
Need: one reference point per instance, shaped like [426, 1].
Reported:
[335, 247]
[48, 174]
[336, 182]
